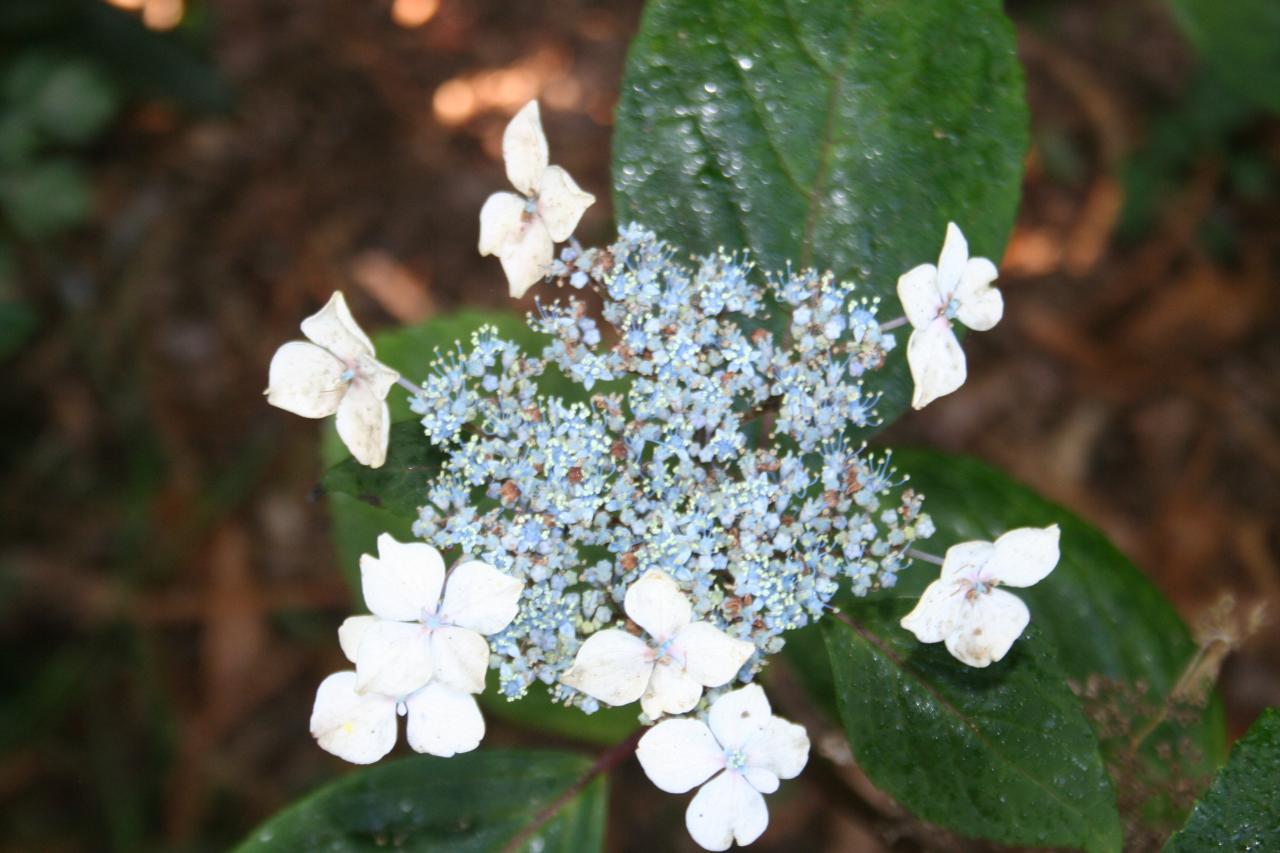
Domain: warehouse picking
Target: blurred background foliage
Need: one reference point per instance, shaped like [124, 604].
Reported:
[69, 68]
[180, 183]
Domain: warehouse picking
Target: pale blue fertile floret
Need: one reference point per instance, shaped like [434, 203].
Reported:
[630, 447]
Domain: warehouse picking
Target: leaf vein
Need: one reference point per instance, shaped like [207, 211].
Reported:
[959, 715]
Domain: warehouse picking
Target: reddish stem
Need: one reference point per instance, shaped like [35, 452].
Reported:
[609, 759]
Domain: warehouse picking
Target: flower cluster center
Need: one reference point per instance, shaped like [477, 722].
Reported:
[695, 428]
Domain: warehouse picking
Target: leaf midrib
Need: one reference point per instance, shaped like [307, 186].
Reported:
[827, 141]
[811, 195]
[876, 642]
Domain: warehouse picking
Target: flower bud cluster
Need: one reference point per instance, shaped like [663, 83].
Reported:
[691, 432]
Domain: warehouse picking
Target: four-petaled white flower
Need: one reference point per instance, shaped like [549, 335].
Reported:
[420, 654]
[958, 288]
[667, 675]
[336, 372]
[522, 230]
[963, 607]
[743, 746]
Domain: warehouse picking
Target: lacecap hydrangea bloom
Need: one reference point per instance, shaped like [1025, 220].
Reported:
[640, 509]
[645, 460]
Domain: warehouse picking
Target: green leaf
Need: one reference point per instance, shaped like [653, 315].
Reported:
[535, 710]
[1096, 614]
[1241, 811]
[400, 484]
[479, 801]
[46, 197]
[838, 135]
[356, 527]
[1099, 613]
[1240, 41]
[1002, 753]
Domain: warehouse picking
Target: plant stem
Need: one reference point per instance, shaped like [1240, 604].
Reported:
[409, 386]
[893, 324]
[924, 555]
[609, 759]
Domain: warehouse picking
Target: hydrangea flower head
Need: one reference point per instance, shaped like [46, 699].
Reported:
[742, 749]
[965, 609]
[422, 652]
[334, 371]
[667, 673]
[691, 436]
[522, 230]
[958, 288]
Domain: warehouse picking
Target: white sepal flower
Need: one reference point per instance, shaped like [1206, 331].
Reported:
[522, 230]
[964, 608]
[668, 674]
[336, 373]
[422, 653]
[958, 288]
[361, 727]
[744, 747]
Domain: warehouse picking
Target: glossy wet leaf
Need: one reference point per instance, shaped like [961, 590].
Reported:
[1100, 614]
[1095, 614]
[1241, 810]
[840, 135]
[1003, 753]
[1240, 41]
[480, 801]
